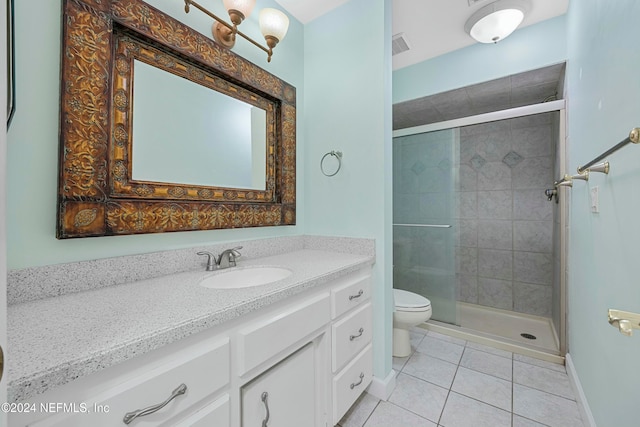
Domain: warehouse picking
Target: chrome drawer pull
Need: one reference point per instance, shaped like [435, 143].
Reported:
[354, 385]
[130, 416]
[266, 406]
[356, 296]
[353, 337]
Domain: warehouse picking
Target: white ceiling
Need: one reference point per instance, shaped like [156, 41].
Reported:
[432, 27]
[307, 10]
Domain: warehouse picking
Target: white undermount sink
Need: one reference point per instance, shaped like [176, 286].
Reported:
[245, 277]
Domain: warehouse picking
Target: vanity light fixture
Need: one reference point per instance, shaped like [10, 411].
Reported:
[497, 20]
[273, 24]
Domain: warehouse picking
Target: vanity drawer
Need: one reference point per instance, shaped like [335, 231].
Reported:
[349, 295]
[204, 370]
[349, 384]
[350, 335]
[215, 414]
[273, 334]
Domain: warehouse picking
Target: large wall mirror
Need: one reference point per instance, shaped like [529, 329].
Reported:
[227, 138]
[162, 130]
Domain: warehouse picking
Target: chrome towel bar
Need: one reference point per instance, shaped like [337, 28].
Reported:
[592, 166]
[634, 136]
[566, 181]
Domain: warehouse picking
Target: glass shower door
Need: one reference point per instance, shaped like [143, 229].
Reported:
[424, 178]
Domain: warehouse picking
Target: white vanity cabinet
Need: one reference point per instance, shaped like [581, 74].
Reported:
[182, 380]
[351, 334]
[294, 380]
[285, 395]
[263, 339]
[310, 353]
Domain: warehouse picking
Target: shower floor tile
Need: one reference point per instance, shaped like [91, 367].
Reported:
[487, 387]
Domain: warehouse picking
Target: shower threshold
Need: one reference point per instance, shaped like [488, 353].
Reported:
[504, 330]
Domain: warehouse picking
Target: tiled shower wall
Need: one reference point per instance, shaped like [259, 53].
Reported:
[504, 244]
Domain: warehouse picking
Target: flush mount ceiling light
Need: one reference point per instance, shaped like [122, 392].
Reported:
[273, 24]
[497, 20]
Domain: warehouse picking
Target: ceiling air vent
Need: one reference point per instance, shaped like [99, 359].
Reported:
[399, 44]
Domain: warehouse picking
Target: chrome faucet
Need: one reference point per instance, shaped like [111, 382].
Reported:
[225, 260]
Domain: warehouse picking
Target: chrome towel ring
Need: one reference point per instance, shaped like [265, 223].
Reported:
[337, 155]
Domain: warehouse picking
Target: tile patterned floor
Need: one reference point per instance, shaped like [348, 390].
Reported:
[449, 382]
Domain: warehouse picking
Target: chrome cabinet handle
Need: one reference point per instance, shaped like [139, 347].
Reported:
[353, 337]
[266, 406]
[130, 416]
[356, 296]
[354, 385]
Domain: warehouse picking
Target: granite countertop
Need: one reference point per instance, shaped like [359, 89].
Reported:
[58, 339]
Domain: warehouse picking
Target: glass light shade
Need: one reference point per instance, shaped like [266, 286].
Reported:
[243, 6]
[273, 23]
[497, 25]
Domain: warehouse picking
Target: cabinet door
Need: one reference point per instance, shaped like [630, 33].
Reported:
[283, 396]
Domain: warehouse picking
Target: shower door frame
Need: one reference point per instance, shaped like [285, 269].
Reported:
[511, 113]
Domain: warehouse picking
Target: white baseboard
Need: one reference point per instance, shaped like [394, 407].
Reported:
[382, 388]
[583, 405]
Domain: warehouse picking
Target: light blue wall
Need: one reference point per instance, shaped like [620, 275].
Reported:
[528, 48]
[348, 89]
[33, 141]
[603, 93]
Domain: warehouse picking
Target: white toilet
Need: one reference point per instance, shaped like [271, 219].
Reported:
[410, 310]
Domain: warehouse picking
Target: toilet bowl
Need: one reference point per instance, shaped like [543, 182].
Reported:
[410, 310]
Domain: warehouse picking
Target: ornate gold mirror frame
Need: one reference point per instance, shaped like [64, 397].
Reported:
[96, 195]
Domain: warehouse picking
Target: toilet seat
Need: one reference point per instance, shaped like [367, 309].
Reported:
[409, 301]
